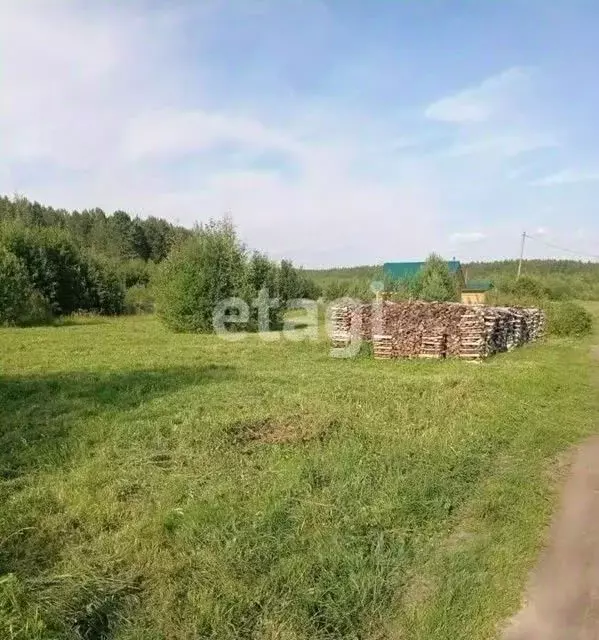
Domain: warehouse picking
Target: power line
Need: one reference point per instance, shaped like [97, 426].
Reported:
[554, 246]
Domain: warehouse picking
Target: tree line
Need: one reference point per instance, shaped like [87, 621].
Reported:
[541, 279]
[54, 262]
[119, 236]
[551, 279]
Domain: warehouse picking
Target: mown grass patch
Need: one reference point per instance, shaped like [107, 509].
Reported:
[181, 486]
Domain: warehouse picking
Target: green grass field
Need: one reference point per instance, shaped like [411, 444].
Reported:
[161, 486]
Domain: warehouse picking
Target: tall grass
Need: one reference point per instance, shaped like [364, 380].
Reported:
[158, 485]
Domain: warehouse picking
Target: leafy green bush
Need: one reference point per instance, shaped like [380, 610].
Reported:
[52, 263]
[207, 268]
[568, 319]
[37, 311]
[337, 289]
[134, 272]
[15, 287]
[526, 292]
[528, 287]
[213, 266]
[139, 299]
[50, 277]
[105, 290]
[261, 273]
[20, 303]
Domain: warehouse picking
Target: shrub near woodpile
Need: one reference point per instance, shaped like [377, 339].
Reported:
[207, 268]
[213, 266]
[568, 319]
[434, 283]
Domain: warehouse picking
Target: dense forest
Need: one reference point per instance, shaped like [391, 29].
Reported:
[118, 236]
[55, 262]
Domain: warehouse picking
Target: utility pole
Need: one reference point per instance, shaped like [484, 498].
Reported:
[521, 255]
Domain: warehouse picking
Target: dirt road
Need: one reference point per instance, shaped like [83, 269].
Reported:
[563, 598]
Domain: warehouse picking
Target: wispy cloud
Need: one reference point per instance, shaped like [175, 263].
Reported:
[119, 106]
[467, 237]
[172, 132]
[506, 144]
[495, 119]
[122, 128]
[568, 176]
[491, 98]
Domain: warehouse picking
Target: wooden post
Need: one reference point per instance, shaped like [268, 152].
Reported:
[521, 255]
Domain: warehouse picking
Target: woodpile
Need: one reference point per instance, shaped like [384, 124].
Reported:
[350, 320]
[382, 346]
[341, 318]
[509, 327]
[473, 340]
[433, 346]
[421, 328]
[436, 330]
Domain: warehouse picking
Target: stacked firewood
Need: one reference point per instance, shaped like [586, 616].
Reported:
[433, 346]
[350, 321]
[382, 346]
[509, 327]
[535, 324]
[341, 319]
[418, 329]
[472, 331]
[421, 328]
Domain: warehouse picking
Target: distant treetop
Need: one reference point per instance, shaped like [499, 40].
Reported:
[119, 236]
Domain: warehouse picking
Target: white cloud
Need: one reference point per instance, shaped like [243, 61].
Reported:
[497, 119]
[100, 101]
[72, 75]
[506, 144]
[467, 237]
[491, 98]
[568, 176]
[102, 106]
[172, 132]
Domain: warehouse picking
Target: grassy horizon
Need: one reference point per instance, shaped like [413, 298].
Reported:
[171, 486]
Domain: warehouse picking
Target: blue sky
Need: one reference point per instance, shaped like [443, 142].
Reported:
[334, 132]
